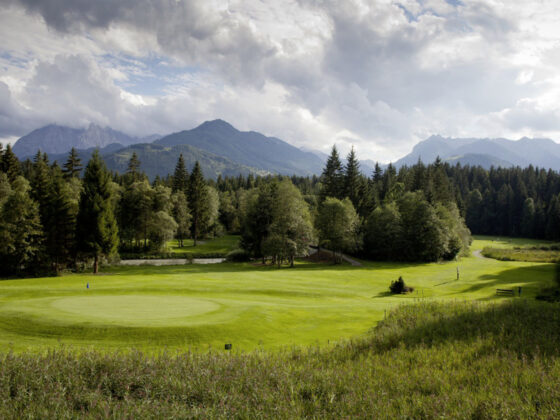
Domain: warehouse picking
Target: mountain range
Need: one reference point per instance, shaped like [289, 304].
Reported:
[220, 148]
[54, 139]
[540, 152]
[223, 150]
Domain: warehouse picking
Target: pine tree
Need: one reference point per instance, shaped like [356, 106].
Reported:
[198, 202]
[332, 177]
[133, 167]
[61, 221]
[10, 164]
[352, 178]
[96, 227]
[181, 176]
[73, 165]
[40, 186]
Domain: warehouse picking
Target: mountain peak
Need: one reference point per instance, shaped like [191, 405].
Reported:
[217, 123]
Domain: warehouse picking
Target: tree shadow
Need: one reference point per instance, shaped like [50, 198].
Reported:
[521, 326]
[531, 279]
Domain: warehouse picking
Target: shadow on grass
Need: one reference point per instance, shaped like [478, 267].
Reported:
[523, 327]
[530, 278]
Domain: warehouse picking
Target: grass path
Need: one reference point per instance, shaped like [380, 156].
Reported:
[196, 307]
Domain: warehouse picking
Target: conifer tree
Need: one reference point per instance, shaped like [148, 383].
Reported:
[352, 178]
[133, 167]
[180, 176]
[97, 227]
[73, 165]
[10, 164]
[198, 200]
[332, 177]
[61, 221]
[40, 186]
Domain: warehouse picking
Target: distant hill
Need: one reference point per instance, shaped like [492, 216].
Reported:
[156, 159]
[56, 139]
[543, 153]
[247, 148]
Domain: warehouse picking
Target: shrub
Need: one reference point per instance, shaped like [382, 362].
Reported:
[238, 255]
[399, 287]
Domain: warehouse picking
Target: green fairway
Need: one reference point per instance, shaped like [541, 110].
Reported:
[196, 307]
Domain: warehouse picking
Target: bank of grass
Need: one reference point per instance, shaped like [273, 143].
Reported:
[425, 360]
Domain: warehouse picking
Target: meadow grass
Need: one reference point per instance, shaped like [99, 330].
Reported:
[219, 246]
[201, 307]
[425, 360]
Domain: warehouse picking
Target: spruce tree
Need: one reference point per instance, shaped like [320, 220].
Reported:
[332, 177]
[96, 226]
[10, 164]
[40, 186]
[352, 178]
[198, 202]
[181, 176]
[133, 168]
[61, 221]
[73, 165]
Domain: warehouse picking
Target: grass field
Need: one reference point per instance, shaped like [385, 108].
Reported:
[215, 247]
[197, 307]
[426, 361]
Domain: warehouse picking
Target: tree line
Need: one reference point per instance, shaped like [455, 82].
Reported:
[56, 217]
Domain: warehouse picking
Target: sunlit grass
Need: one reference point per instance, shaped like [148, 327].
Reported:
[197, 307]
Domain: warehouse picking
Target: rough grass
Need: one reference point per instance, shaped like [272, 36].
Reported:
[426, 360]
[523, 254]
[197, 307]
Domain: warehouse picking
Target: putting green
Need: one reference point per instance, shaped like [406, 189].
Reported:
[196, 306]
[133, 309]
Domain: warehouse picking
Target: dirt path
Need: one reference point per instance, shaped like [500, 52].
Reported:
[313, 250]
[172, 261]
[351, 261]
[478, 254]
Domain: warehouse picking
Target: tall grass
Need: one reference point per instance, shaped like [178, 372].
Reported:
[427, 360]
[533, 254]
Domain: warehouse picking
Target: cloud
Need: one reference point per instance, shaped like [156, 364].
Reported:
[380, 75]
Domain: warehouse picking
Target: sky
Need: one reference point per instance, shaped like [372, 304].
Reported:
[377, 75]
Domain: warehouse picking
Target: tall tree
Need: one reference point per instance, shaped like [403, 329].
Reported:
[290, 231]
[180, 176]
[10, 164]
[97, 227]
[352, 178]
[20, 228]
[181, 215]
[60, 228]
[133, 169]
[332, 177]
[73, 166]
[337, 224]
[198, 201]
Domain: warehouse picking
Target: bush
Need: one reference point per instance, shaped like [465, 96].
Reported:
[238, 255]
[398, 287]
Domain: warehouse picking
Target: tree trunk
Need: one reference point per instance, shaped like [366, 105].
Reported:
[96, 264]
[291, 261]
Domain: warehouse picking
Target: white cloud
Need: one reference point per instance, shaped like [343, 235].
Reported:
[380, 75]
